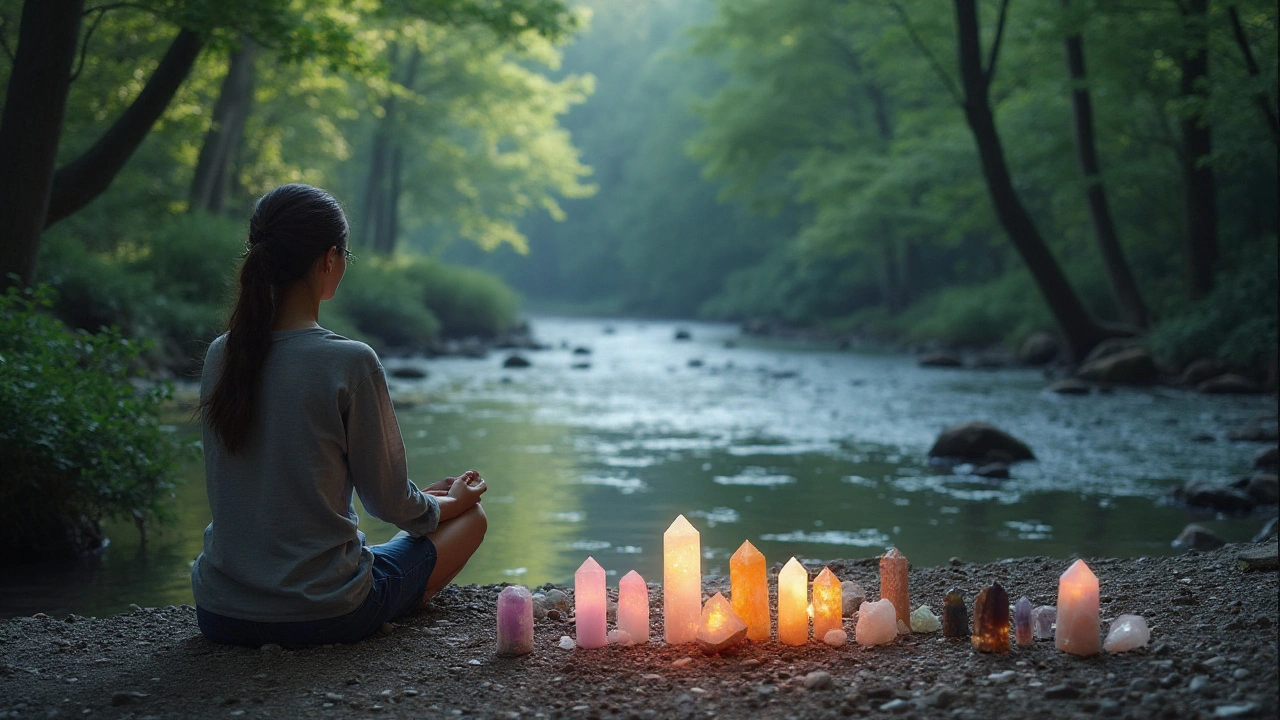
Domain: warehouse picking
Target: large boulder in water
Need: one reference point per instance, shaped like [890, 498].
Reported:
[941, 358]
[1200, 370]
[1198, 537]
[1128, 366]
[1267, 459]
[979, 441]
[1220, 498]
[1040, 348]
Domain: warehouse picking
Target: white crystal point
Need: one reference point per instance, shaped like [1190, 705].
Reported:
[567, 643]
[620, 637]
[1128, 632]
[589, 568]
[877, 623]
[1042, 620]
[836, 637]
[924, 621]
[681, 528]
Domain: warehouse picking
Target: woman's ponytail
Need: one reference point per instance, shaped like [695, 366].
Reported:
[291, 227]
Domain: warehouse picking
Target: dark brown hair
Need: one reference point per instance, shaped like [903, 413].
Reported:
[291, 227]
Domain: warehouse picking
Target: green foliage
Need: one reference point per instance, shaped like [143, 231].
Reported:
[468, 302]
[81, 443]
[1236, 323]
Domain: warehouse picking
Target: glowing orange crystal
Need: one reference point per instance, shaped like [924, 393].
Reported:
[749, 588]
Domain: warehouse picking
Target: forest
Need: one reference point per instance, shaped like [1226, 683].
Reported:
[878, 170]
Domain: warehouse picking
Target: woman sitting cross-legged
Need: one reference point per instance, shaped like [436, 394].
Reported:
[296, 418]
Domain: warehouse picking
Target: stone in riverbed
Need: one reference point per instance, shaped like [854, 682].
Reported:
[1040, 348]
[979, 441]
[1042, 620]
[1258, 558]
[1197, 537]
[851, 597]
[955, 615]
[1267, 459]
[924, 621]
[1199, 371]
[1222, 498]
[991, 620]
[941, 358]
[1070, 386]
[1112, 364]
[877, 623]
[1228, 384]
[1263, 488]
[994, 471]
[1128, 632]
[1022, 630]
[516, 361]
[836, 637]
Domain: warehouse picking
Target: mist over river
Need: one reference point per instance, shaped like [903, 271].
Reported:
[804, 449]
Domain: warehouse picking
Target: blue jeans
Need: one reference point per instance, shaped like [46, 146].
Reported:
[401, 569]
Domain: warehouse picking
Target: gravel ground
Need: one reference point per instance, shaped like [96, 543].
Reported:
[1213, 653]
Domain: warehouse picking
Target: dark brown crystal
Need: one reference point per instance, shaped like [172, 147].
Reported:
[991, 620]
[955, 615]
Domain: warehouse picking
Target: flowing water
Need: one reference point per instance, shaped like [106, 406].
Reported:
[804, 449]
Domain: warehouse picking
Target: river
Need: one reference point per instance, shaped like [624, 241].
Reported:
[802, 448]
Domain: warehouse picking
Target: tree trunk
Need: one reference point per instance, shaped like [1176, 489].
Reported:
[385, 184]
[83, 179]
[31, 127]
[1132, 308]
[222, 140]
[1260, 99]
[1200, 202]
[1081, 330]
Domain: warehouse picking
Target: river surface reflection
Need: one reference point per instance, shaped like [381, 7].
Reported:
[805, 450]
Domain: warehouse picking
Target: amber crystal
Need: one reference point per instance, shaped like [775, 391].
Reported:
[991, 620]
[893, 583]
[955, 615]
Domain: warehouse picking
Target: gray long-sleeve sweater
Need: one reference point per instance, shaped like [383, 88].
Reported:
[283, 545]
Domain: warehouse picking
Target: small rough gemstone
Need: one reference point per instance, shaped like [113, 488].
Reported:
[877, 623]
[991, 620]
[567, 643]
[955, 615]
[720, 628]
[902, 627]
[1022, 621]
[1042, 620]
[1128, 632]
[851, 597]
[893, 583]
[620, 637]
[836, 638]
[924, 621]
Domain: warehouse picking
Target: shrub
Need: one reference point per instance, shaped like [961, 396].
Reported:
[81, 444]
[383, 306]
[469, 302]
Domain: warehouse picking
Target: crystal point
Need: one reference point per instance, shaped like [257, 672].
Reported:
[955, 615]
[515, 621]
[633, 607]
[1079, 629]
[1128, 632]
[719, 628]
[991, 620]
[793, 604]
[827, 604]
[877, 623]
[749, 585]
[1022, 621]
[590, 604]
[681, 582]
[893, 583]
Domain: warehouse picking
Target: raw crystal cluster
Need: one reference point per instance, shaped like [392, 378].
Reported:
[1042, 621]
[1128, 632]
[1022, 621]
[991, 620]
[877, 623]
[924, 621]
[955, 615]
[893, 583]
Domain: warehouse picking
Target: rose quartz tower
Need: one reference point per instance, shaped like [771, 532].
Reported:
[633, 607]
[893, 583]
[589, 603]
[1079, 631]
[681, 582]
[749, 587]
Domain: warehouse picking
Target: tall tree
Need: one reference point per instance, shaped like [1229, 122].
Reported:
[1251, 65]
[1200, 199]
[1081, 330]
[214, 167]
[1123, 284]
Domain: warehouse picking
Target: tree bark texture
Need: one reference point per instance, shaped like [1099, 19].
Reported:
[212, 180]
[31, 127]
[385, 181]
[1261, 99]
[1200, 201]
[83, 179]
[1081, 330]
[1132, 308]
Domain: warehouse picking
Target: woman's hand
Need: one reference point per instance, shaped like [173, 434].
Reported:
[462, 496]
[441, 488]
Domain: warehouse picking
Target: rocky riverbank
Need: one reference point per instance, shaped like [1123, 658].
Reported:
[1213, 654]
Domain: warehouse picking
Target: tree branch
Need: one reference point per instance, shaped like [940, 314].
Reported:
[947, 81]
[84, 46]
[1264, 104]
[4, 45]
[990, 72]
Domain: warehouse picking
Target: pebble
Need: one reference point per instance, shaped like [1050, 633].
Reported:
[125, 698]
[1001, 678]
[1233, 711]
[818, 680]
[894, 706]
[1061, 692]
[750, 662]
[553, 615]
[566, 643]
[473, 662]
[1241, 674]
[682, 662]
[270, 649]
[333, 697]
[1199, 684]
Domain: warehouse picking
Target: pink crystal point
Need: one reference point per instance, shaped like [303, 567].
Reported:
[1079, 630]
[633, 607]
[590, 602]
[515, 621]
